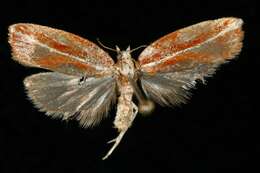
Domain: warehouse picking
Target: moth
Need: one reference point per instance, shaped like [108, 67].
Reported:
[85, 81]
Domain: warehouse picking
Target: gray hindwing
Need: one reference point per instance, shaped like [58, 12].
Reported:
[67, 97]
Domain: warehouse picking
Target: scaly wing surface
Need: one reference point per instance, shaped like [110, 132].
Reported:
[172, 64]
[57, 50]
[81, 86]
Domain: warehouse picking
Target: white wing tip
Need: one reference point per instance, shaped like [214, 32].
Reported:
[234, 21]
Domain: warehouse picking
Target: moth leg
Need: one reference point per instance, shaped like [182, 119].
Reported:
[122, 131]
[145, 106]
[117, 141]
[135, 108]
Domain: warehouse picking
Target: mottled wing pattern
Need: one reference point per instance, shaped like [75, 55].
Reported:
[56, 50]
[64, 93]
[172, 64]
[68, 97]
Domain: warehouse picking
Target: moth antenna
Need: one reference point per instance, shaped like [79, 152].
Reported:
[104, 46]
[137, 48]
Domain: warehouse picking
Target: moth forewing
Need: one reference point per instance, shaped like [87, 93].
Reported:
[57, 50]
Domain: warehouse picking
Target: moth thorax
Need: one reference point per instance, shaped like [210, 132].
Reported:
[125, 63]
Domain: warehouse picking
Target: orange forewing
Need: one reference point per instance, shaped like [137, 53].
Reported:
[207, 42]
[57, 50]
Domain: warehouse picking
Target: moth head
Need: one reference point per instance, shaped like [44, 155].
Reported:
[123, 54]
